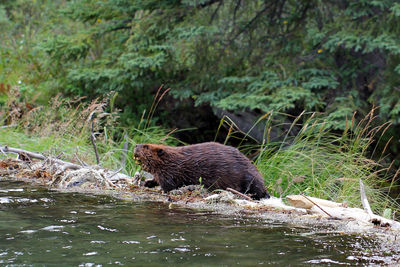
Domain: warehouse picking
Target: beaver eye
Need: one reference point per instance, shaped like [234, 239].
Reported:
[145, 146]
[160, 152]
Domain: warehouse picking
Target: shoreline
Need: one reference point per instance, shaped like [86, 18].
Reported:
[272, 210]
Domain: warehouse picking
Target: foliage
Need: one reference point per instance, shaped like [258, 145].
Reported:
[333, 56]
[320, 163]
[63, 129]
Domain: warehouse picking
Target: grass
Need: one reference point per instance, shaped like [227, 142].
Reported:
[309, 158]
[63, 128]
[323, 164]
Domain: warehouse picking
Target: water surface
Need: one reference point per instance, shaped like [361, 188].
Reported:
[41, 227]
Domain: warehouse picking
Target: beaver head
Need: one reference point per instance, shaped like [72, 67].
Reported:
[151, 157]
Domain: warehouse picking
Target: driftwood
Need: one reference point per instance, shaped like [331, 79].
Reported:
[68, 174]
[340, 211]
[364, 200]
[300, 201]
[65, 164]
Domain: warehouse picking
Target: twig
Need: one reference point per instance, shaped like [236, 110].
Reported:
[259, 13]
[364, 200]
[168, 134]
[92, 139]
[125, 151]
[84, 164]
[8, 126]
[216, 11]
[318, 206]
[2, 151]
[239, 194]
[116, 172]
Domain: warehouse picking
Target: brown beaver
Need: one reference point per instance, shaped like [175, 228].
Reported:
[211, 164]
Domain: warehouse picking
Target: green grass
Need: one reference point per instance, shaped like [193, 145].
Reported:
[63, 129]
[310, 158]
[322, 164]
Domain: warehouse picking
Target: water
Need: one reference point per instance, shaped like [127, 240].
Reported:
[40, 227]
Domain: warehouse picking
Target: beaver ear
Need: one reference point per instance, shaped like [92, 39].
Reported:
[160, 152]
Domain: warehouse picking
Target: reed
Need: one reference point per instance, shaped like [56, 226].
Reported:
[324, 164]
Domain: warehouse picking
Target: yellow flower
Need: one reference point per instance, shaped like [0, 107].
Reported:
[285, 22]
[319, 51]
[98, 20]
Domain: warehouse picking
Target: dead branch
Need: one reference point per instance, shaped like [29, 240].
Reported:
[125, 151]
[115, 173]
[66, 165]
[318, 206]
[92, 139]
[239, 194]
[364, 200]
[84, 164]
[8, 126]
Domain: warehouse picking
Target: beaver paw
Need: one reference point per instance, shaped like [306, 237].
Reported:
[150, 183]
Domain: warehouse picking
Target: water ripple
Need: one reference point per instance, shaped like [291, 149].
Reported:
[106, 229]
[53, 228]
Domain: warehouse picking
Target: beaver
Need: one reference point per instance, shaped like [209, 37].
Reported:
[211, 164]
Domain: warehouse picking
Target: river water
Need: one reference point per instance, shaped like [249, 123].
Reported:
[41, 227]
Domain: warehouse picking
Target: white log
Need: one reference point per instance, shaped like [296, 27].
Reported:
[300, 201]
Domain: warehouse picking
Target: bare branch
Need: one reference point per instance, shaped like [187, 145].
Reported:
[254, 19]
[318, 206]
[239, 194]
[364, 200]
[125, 151]
[8, 126]
[216, 11]
[92, 139]
[69, 165]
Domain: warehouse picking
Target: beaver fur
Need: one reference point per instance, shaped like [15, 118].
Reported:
[211, 164]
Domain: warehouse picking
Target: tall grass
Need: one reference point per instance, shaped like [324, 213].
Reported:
[309, 158]
[64, 126]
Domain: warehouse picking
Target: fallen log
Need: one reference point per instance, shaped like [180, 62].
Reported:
[76, 175]
[66, 165]
[332, 209]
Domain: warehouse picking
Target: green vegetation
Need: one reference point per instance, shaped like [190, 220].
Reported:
[63, 128]
[318, 162]
[286, 58]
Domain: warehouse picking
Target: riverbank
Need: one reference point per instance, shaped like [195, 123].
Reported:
[60, 176]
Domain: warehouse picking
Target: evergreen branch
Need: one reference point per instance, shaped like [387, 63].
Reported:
[250, 23]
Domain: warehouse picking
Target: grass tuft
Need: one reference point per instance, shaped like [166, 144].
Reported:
[327, 165]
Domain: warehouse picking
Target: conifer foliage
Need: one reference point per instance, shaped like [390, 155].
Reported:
[262, 55]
